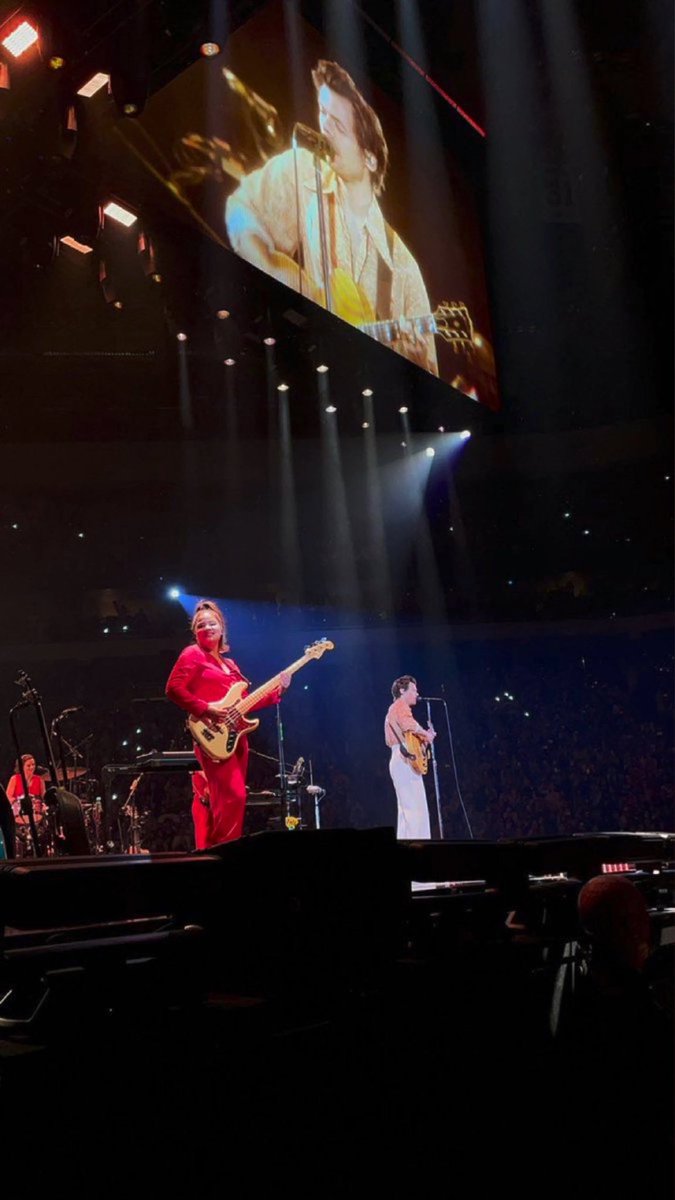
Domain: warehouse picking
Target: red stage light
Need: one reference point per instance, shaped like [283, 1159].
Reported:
[75, 245]
[20, 39]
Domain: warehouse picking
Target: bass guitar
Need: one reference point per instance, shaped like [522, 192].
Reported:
[219, 736]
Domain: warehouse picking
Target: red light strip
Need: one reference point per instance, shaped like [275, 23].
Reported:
[420, 71]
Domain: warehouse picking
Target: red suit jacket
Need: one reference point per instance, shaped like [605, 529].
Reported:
[197, 681]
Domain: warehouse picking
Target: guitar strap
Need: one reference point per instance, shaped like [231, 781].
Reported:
[385, 279]
[402, 746]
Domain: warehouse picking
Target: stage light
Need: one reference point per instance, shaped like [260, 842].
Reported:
[130, 109]
[430, 452]
[330, 408]
[465, 434]
[23, 37]
[94, 85]
[75, 245]
[173, 593]
[367, 392]
[56, 62]
[118, 304]
[80, 535]
[181, 337]
[222, 314]
[156, 277]
[567, 516]
[229, 362]
[209, 49]
[441, 428]
[322, 368]
[365, 424]
[404, 444]
[403, 408]
[270, 341]
[586, 532]
[125, 629]
[118, 213]
[283, 387]
[15, 526]
[106, 630]
[139, 730]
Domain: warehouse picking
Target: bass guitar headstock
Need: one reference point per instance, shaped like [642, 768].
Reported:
[318, 648]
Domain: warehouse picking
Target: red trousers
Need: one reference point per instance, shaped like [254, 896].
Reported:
[223, 819]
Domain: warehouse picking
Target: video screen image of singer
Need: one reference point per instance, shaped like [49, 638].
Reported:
[250, 139]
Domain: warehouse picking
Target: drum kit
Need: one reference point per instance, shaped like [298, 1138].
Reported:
[49, 817]
[66, 816]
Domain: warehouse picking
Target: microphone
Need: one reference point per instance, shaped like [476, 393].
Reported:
[66, 713]
[313, 789]
[437, 699]
[312, 140]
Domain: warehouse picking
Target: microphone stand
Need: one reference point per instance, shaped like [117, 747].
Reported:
[319, 149]
[440, 700]
[283, 781]
[317, 793]
[434, 768]
[56, 732]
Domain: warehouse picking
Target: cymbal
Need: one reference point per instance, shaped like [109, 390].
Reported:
[71, 773]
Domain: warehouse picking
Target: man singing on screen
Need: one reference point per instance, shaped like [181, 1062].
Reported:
[273, 220]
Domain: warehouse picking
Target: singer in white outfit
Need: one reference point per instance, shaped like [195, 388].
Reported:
[411, 798]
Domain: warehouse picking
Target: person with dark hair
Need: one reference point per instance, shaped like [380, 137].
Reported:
[202, 676]
[617, 1038]
[411, 798]
[274, 220]
[36, 790]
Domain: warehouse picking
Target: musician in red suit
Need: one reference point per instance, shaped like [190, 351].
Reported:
[36, 790]
[201, 676]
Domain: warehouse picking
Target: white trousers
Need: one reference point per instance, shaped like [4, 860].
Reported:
[413, 812]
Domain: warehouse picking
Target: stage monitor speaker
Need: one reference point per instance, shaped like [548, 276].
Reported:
[310, 911]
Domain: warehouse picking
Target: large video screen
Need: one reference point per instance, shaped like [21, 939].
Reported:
[285, 150]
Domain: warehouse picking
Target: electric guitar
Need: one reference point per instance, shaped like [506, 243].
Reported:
[219, 737]
[417, 749]
[451, 321]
